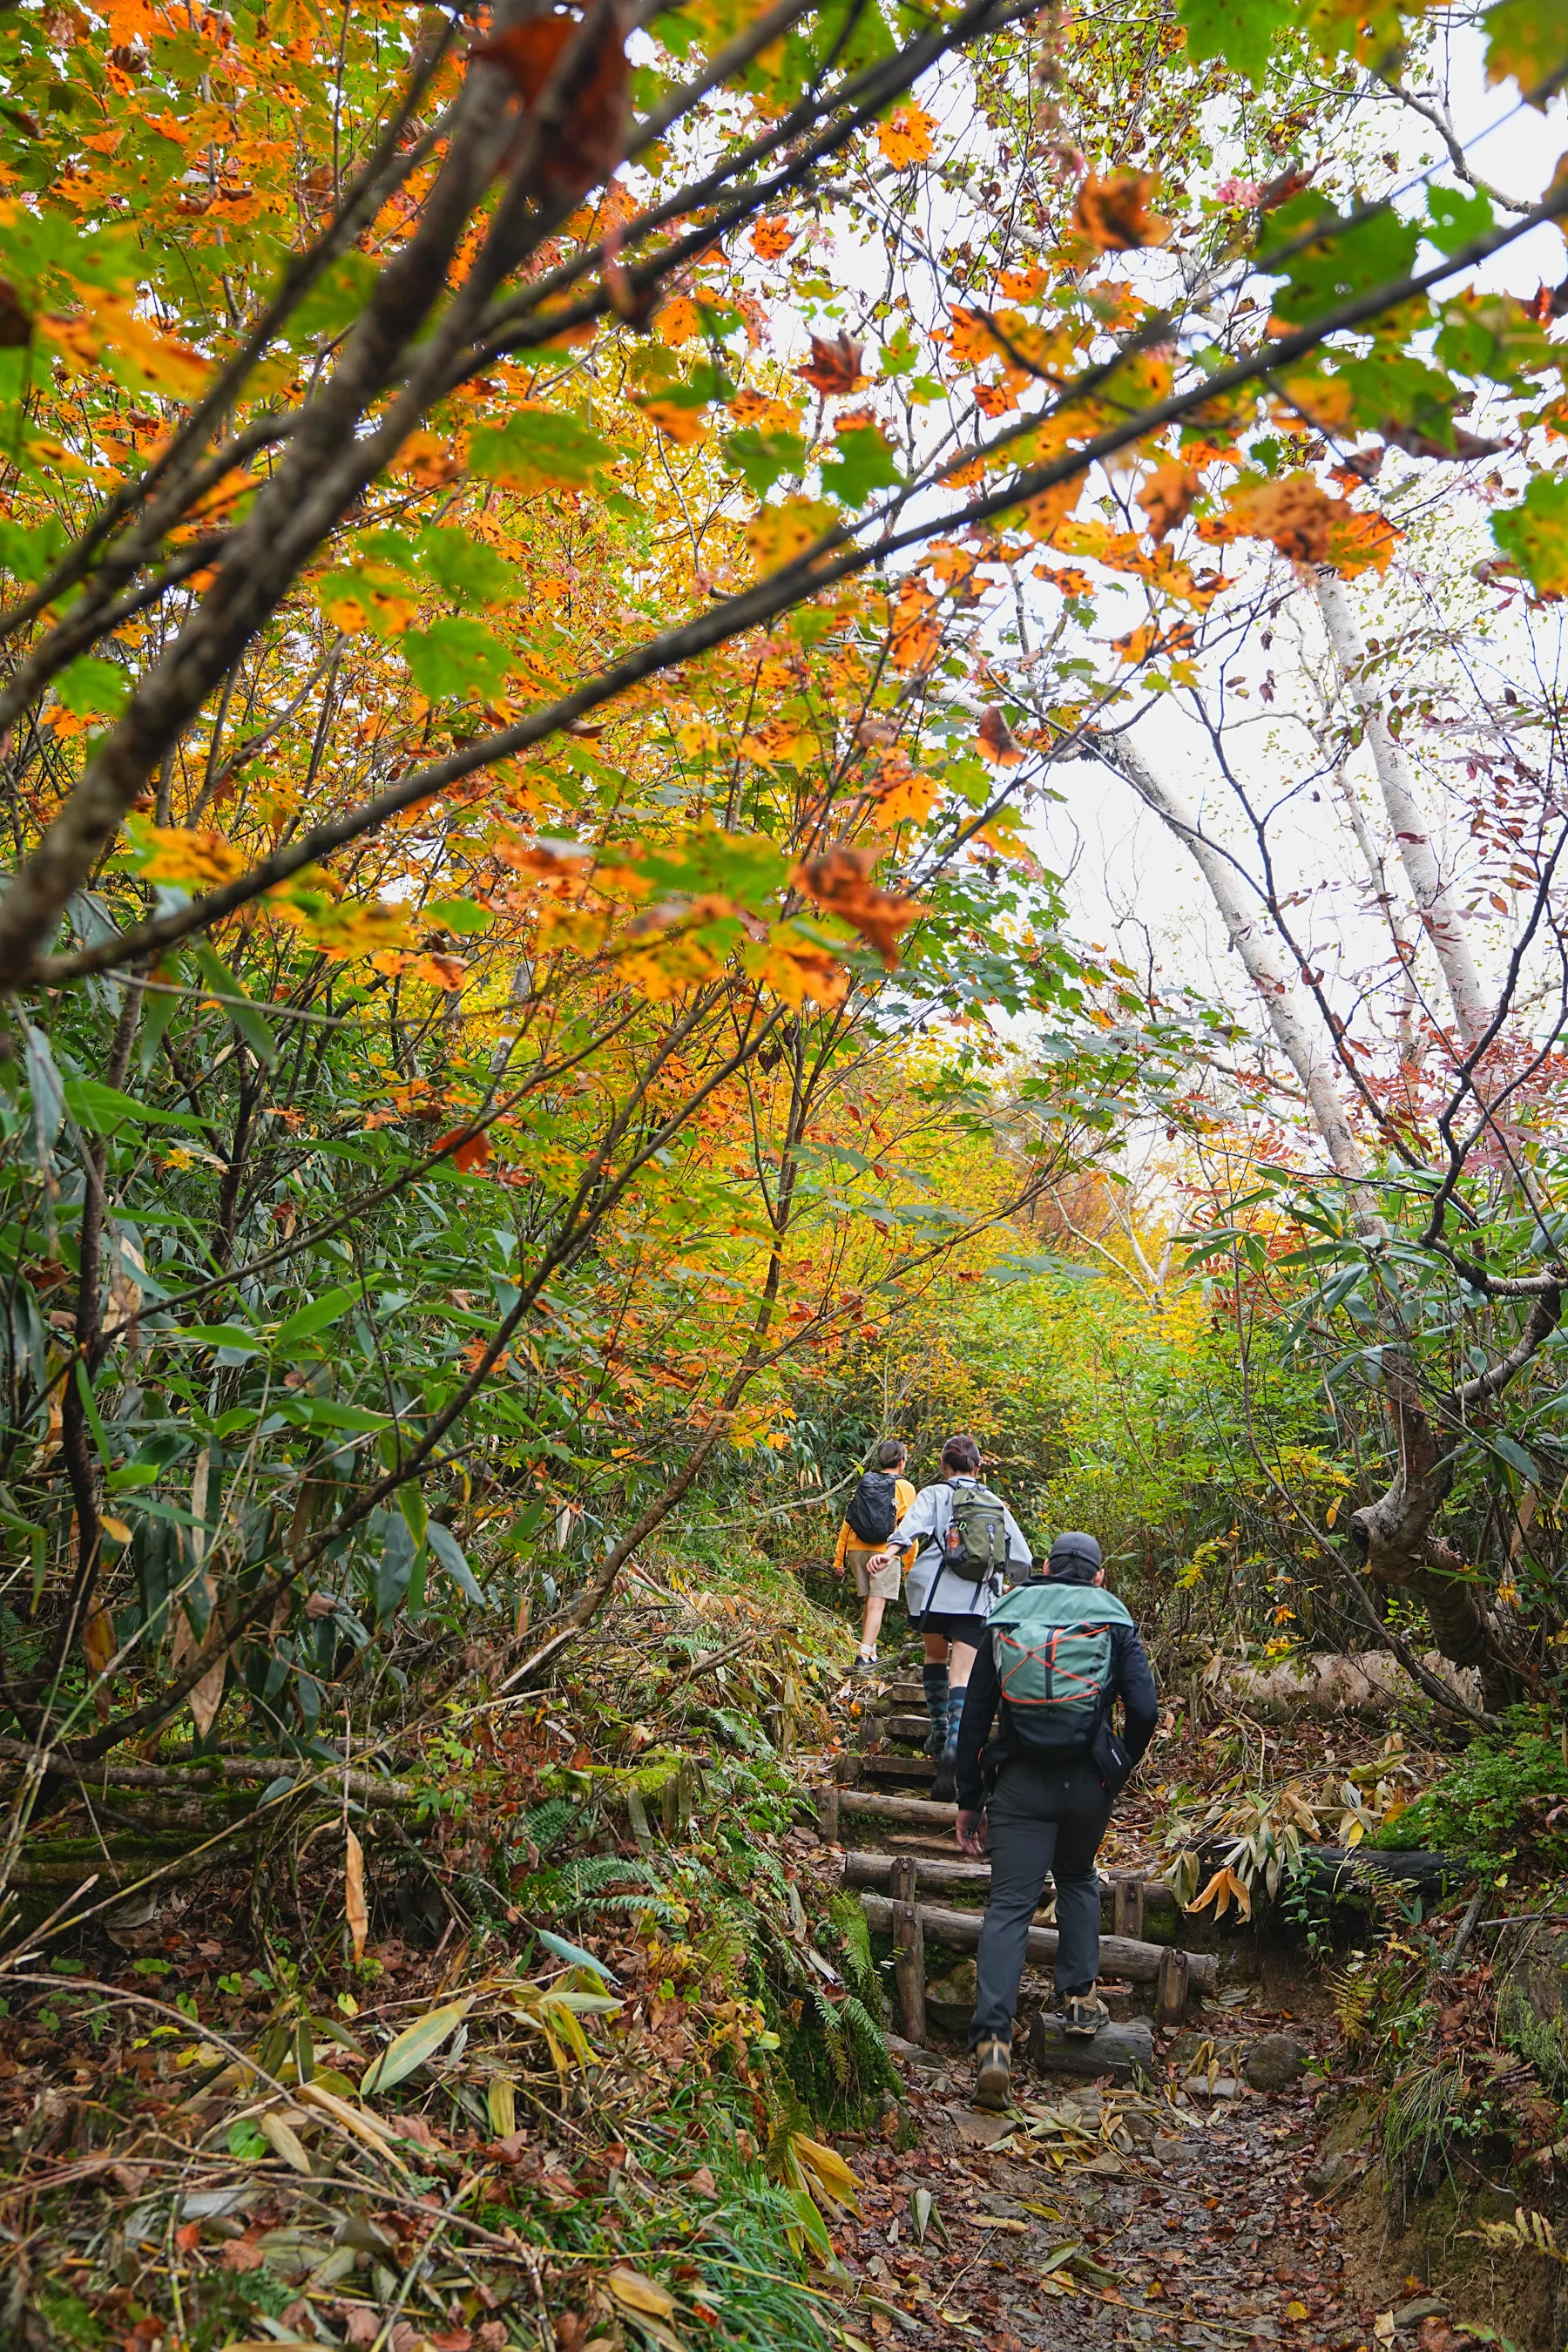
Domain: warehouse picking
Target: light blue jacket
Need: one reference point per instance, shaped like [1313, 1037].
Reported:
[932, 1585]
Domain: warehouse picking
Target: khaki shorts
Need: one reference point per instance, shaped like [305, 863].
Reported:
[876, 1583]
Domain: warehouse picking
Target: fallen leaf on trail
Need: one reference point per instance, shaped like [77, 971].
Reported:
[1114, 214]
[834, 368]
[828, 2168]
[354, 1908]
[702, 2182]
[636, 2293]
[582, 148]
[283, 2137]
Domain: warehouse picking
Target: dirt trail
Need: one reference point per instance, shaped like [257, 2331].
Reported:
[1178, 2211]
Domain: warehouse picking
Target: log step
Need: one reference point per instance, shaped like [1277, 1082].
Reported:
[1119, 2052]
[880, 1805]
[896, 1768]
[904, 1726]
[1120, 1956]
[1127, 1901]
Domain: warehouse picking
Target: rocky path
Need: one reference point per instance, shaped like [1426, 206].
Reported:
[1183, 2211]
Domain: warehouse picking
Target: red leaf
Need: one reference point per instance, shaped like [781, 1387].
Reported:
[474, 1152]
[583, 148]
[834, 368]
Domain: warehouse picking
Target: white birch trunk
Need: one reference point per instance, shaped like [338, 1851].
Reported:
[1434, 903]
[1276, 986]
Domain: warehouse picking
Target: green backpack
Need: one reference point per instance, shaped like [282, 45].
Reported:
[975, 1543]
[1052, 1647]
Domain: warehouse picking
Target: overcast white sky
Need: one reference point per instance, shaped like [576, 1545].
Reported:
[1129, 883]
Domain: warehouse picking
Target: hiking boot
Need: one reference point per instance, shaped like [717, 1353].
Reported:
[993, 2076]
[1083, 2014]
[863, 1666]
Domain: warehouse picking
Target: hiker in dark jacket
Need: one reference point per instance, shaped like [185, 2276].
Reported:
[968, 1544]
[1058, 1652]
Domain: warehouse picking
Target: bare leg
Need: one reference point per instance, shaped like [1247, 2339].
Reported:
[871, 1624]
[936, 1650]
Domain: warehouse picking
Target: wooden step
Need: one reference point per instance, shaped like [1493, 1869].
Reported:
[893, 1767]
[1126, 1902]
[905, 1726]
[1120, 1956]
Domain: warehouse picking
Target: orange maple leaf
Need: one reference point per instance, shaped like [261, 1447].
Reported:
[916, 636]
[1114, 214]
[995, 739]
[772, 239]
[474, 1151]
[905, 138]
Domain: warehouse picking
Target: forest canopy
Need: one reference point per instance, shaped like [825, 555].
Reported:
[561, 568]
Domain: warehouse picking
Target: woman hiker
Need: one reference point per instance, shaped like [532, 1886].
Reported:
[969, 1544]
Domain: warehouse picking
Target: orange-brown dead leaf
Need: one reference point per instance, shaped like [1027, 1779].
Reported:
[474, 1152]
[840, 883]
[1166, 497]
[1294, 514]
[1114, 214]
[356, 1913]
[995, 739]
[582, 148]
[772, 239]
[834, 368]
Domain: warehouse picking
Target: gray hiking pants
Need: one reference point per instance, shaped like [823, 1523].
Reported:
[1043, 1817]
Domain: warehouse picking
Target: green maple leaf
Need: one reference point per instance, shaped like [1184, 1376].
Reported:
[1528, 39]
[1242, 32]
[1535, 533]
[862, 462]
[455, 657]
[762, 457]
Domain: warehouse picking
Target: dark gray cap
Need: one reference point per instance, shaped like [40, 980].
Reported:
[1075, 1550]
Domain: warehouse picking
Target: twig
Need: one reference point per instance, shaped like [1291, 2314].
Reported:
[1466, 1929]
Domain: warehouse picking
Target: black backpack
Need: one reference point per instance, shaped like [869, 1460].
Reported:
[873, 1511]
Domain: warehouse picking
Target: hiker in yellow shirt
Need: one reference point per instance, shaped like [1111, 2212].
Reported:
[874, 1510]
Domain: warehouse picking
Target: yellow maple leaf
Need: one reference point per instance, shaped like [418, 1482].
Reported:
[795, 968]
[109, 330]
[778, 535]
[908, 799]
